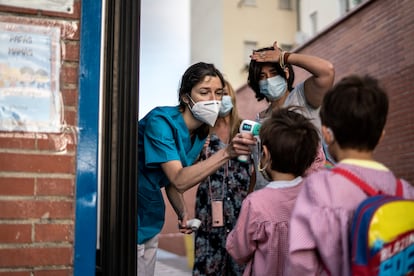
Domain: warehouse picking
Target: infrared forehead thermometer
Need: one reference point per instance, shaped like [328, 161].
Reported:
[252, 127]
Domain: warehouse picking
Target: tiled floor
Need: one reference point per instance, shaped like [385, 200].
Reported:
[169, 264]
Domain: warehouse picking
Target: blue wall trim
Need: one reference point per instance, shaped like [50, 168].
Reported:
[87, 151]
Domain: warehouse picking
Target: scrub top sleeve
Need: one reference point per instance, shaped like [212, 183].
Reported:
[160, 142]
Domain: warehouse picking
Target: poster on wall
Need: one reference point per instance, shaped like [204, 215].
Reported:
[65, 6]
[30, 98]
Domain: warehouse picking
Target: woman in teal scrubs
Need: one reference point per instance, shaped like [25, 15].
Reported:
[170, 139]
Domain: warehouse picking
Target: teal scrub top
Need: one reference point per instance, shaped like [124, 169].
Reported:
[162, 136]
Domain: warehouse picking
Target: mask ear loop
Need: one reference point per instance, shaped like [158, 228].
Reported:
[259, 168]
[192, 101]
[264, 172]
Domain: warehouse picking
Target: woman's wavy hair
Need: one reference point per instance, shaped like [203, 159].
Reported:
[234, 115]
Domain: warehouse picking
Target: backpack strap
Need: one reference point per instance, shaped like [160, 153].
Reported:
[365, 186]
[399, 188]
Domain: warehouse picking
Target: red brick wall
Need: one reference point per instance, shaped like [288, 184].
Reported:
[37, 170]
[247, 105]
[377, 39]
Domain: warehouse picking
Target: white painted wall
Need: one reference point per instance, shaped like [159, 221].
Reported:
[165, 51]
[207, 31]
[327, 13]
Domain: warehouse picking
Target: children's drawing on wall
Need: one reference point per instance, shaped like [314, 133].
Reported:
[30, 98]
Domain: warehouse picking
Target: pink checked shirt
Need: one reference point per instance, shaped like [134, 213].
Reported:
[321, 219]
[260, 237]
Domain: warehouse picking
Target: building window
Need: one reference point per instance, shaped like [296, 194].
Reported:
[285, 4]
[249, 47]
[355, 3]
[286, 47]
[343, 7]
[314, 22]
[246, 3]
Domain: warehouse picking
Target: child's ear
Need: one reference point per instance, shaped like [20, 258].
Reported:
[328, 135]
[265, 152]
[184, 98]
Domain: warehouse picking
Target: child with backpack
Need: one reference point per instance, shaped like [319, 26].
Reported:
[260, 238]
[353, 116]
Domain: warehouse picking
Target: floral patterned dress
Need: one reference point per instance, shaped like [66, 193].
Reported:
[230, 184]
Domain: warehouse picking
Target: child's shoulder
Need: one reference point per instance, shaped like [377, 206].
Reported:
[408, 189]
[262, 194]
[331, 188]
[322, 175]
[325, 186]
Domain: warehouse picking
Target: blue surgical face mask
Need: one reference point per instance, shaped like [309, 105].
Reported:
[325, 147]
[273, 88]
[226, 106]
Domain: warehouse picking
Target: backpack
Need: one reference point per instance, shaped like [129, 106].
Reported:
[382, 231]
